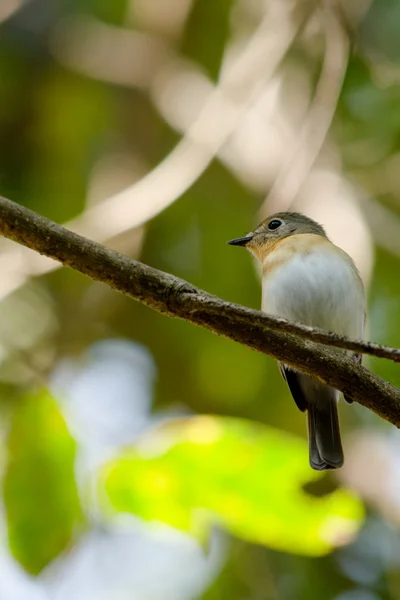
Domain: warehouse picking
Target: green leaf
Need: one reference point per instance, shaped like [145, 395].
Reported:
[40, 493]
[245, 476]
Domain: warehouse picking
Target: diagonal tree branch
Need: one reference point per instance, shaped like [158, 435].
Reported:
[228, 102]
[175, 297]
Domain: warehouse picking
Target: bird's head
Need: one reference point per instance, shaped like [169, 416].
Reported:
[273, 229]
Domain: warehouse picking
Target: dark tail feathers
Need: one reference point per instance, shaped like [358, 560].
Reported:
[325, 445]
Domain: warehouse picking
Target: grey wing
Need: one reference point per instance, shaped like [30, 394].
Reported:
[320, 402]
[291, 378]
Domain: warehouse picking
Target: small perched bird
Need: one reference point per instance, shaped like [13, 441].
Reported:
[306, 278]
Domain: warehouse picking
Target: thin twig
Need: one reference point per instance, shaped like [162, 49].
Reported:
[177, 298]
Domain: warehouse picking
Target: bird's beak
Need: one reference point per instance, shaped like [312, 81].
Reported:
[243, 241]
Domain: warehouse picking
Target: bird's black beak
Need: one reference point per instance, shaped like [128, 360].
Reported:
[243, 241]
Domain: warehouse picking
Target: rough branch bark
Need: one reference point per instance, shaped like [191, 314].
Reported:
[287, 342]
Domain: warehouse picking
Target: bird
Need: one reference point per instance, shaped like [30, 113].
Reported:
[307, 279]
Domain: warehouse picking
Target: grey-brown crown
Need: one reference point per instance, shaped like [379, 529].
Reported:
[295, 222]
[278, 226]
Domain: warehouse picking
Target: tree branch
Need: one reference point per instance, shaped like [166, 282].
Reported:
[284, 341]
[227, 103]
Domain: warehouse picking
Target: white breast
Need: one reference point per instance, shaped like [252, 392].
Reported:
[321, 288]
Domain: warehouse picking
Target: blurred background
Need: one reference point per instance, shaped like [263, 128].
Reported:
[143, 458]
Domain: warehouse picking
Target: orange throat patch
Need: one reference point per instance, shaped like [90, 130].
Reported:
[275, 253]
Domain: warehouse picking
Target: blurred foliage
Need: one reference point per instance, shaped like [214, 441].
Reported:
[248, 478]
[84, 113]
[40, 493]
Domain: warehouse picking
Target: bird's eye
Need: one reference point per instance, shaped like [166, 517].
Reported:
[274, 224]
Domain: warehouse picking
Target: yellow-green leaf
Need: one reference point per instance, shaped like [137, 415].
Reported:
[40, 493]
[245, 476]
